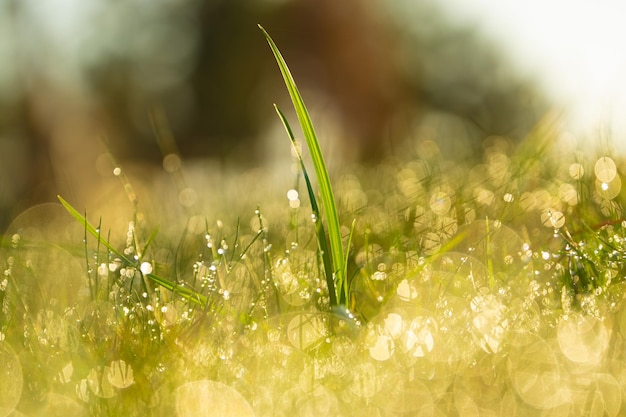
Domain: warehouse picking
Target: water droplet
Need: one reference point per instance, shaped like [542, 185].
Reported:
[146, 268]
[292, 195]
[379, 276]
[552, 218]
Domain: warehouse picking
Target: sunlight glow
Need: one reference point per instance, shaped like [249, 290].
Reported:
[574, 49]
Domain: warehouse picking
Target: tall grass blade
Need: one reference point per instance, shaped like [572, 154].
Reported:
[319, 226]
[328, 199]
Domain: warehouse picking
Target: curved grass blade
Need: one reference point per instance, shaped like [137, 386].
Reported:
[328, 199]
[185, 292]
[343, 291]
[319, 227]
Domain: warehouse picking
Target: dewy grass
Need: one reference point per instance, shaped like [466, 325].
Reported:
[337, 259]
[319, 226]
[186, 292]
[511, 269]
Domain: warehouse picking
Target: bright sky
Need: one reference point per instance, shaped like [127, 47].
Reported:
[577, 48]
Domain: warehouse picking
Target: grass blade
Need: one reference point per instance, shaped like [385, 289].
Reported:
[186, 292]
[328, 199]
[319, 227]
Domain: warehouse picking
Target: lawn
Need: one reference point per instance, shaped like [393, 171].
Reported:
[425, 286]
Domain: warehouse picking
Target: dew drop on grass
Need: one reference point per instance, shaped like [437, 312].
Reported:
[552, 218]
[11, 379]
[292, 195]
[146, 268]
[15, 240]
[379, 276]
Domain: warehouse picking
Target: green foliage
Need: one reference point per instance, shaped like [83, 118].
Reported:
[337, 259]
[186, 292]
[513, 262]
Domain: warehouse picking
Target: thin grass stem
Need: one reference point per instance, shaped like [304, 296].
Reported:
[328, 198]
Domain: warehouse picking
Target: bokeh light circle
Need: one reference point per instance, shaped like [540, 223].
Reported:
[605, 169]
[206, 398]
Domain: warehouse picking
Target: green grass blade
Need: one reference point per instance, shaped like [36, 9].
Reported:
[344, 292]
[328, 199]
[145, 247]
[93, 231]
[319, 227]
[186, 292]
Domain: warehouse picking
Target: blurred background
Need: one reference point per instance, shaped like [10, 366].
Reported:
[81, 80]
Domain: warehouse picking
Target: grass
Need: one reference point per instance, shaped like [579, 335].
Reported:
[334, 260]
[493, 287]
